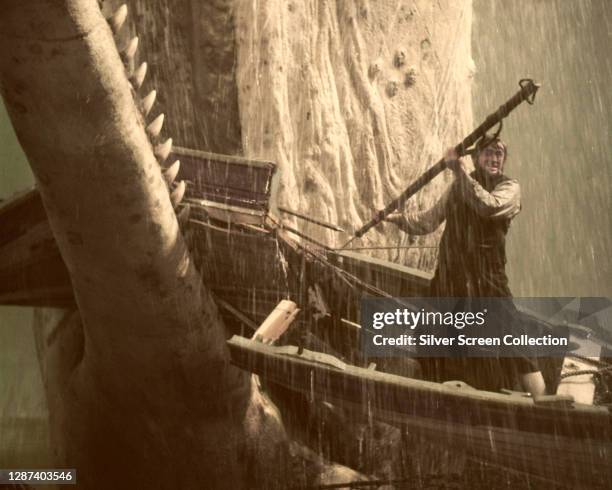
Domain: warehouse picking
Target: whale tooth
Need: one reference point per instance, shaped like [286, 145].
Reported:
[139, 75]
[183, 215]
[176, 196]
[156, 126]
[147, 102]
[163, 150]
[117, 20]
[171, 172]
[128, 53]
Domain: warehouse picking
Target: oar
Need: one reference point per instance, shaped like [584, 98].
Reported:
[526, 93]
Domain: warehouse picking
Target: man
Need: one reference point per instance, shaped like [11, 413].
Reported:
[478, 208]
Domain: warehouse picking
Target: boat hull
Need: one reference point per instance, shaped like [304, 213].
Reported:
[558, 442]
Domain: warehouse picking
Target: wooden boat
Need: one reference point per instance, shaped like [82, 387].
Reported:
[251, 262]
[247, 259]
[550, 437]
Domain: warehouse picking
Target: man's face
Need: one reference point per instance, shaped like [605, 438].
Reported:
[491, 159]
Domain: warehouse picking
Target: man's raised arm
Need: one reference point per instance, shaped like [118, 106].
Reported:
[423, 222]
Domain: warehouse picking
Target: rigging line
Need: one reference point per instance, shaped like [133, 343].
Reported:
[351, 279]
[324, 261]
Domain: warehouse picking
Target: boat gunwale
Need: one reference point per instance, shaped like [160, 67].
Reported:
[511, 411]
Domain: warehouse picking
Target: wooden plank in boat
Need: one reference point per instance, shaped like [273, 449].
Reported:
[231, 188]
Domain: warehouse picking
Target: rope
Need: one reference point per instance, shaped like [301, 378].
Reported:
[350, 279]
[595, 362]
[580, 372]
